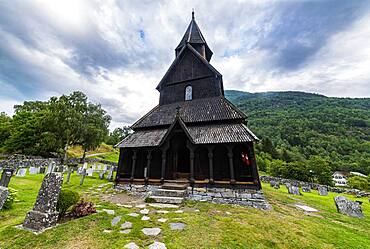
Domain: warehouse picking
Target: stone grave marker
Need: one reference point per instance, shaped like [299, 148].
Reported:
[294, 190]
[101, 175]
[323, 190]
[50, 168]
[90, 172]
[5, 177]
[85, 165]
[79, 170]
[306, 188]
[275, 184]
[4, 192]
[69, 174]
[21, 172]
[83, 174]
[42, 170]
[347, 207]
[110, 174]
[34, 170]
[44, 214]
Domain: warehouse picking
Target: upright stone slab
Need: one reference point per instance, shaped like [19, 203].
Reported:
[110, 174]
[21, 172]
[293, 190]
[347, 207]
[44, 212]
[4, 192]
[323, 190]
[5, 177]
[306, 188]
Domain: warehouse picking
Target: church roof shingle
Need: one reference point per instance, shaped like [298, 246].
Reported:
[194, 111]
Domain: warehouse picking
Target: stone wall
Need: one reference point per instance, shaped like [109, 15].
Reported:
[284, 181]
[236, 196]
[20, 161]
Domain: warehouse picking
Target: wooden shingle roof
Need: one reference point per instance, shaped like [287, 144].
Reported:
[194, 111]
[143, 138]
[221, 133]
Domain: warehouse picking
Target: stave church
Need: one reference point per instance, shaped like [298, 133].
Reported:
[194, 135]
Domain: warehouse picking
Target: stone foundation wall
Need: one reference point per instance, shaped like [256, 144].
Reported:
[243, 197]
[220, 195]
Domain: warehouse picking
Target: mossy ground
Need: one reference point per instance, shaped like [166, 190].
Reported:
[214, 226]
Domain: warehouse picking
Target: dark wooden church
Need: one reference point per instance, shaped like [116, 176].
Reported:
[194, 135]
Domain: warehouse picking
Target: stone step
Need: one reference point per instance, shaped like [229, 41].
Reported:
[165, 199]
[174, 186]
[170, 192]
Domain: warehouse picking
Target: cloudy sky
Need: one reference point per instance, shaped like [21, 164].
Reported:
[117, 51]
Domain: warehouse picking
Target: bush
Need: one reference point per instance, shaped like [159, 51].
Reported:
[10, 199]
[67, 198]
[358, 182]
[82, 208]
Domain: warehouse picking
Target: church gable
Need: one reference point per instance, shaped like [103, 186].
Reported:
[187, 67]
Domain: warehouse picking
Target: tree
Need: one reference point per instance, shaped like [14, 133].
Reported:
[118, 134]
[94, 129]
[358, 182]
[321, 169]
[268, 147]
[5, 127]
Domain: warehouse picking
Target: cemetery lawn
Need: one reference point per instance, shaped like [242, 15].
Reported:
[214, 226]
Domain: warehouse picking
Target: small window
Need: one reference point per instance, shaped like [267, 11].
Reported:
[188, 93]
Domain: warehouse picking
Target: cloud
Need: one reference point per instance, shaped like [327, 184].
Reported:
[117, 51]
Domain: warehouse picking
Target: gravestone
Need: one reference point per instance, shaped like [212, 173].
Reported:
[101, 175]
[306, 188]
[323, 190]
[50, 167]
[44, 212]
[21, 172]
[4, 192]
[274, 184]
[294, 190]
[34, 170]
[42, 170]
[5, 177]
[347, 207]
[69, 174]
[110, 174]
[90, 172]
[83, 174]
[85, 165]
[79, 170]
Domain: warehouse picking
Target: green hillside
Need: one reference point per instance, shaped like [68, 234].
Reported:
[301, 125]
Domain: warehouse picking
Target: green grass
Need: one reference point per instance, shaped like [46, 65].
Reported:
[212, 227]
[112, 156]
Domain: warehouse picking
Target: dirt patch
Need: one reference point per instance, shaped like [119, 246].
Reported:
[122, 198]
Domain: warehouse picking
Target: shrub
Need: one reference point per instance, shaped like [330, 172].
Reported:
[10, 199]
[149, 200]
[67, 198]
[82, 208]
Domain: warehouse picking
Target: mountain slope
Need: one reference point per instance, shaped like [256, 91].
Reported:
[307, 124]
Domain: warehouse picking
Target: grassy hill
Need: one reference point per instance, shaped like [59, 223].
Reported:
[306, 124]
[214, 226]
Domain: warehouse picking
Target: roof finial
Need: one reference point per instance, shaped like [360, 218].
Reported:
[192, 14]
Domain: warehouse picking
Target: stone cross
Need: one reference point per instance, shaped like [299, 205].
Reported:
[4, 192]
[5, 177]
[44, 212]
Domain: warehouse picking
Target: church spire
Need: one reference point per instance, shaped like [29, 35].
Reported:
[194, 37]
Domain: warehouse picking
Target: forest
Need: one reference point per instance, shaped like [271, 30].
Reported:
[305, 135]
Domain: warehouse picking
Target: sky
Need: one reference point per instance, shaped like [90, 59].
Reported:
[117, 51]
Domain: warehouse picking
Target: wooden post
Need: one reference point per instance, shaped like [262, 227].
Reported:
[149, 158]
[163, 165]
[133, 165]
[231, 164]
[210, 162]
[192, 165]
